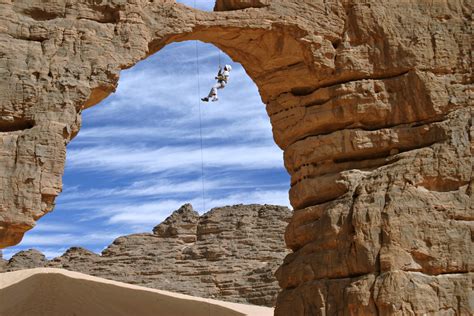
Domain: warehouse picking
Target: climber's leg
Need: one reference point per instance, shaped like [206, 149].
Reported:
[213, 93]
[219, 85]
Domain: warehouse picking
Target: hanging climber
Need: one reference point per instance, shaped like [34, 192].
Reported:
[222, 78]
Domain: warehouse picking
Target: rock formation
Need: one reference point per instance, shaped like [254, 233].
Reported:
[28, 259]
[372, 102]
[240, 4]
[230, 253]
[3, 263]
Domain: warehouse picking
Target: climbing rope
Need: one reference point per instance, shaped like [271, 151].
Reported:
[200, 119]
[200, 136]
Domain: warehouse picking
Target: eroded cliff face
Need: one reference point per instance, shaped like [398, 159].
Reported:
[372, 103]
[229, 253]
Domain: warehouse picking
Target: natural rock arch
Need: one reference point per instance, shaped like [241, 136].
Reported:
[375, 121]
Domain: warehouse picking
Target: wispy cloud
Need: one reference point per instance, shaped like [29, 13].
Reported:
[49, 252]
[144, 213]
[136, 216]
[171, 160]
[138, 155]
[42, 226]
[254, 129]
[150, 187]
[35, 239]
[154, 92]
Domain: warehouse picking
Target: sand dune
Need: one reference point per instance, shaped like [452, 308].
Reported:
[57, 292]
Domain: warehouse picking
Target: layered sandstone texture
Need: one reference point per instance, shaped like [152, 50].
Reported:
[371, 101]
[230, 253]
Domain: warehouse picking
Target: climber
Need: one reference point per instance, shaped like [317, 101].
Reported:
[222, 78]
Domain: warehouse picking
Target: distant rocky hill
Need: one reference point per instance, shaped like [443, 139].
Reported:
[3, 263]
[229, 253]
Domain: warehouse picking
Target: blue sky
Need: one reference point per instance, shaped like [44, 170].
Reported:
[137, 157]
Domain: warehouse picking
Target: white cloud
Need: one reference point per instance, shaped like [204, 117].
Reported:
[172, 160]
[137, 217]
[151, 187]
[157, 89]
[48, 252]
[275, 197]
[138, 156]
[149, 213]
[254, 129]
[42, 226]
[33, 239]
[53, 245]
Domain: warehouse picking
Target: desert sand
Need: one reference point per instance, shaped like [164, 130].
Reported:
[60, 292]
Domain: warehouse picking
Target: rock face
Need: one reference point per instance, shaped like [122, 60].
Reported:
[26, 260]
[372, 102]
[239, 4]
[3, 262]
[230, 253]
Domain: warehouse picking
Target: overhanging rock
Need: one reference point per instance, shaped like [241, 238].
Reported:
[371, 102]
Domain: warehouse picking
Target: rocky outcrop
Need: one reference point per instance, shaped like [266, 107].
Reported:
[370, 100]
[3, 263]
[181, 224]
[230, 253]
[229, 5]
[26, 260]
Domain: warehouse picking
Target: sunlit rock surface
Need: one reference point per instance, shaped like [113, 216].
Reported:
[372, 102]
[27, 259]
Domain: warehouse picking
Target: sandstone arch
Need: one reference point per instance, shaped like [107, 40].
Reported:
[371, 102]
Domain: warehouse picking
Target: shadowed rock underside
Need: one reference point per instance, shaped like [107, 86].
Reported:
[372, 103]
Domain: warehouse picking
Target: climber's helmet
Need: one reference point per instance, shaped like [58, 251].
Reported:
[228, 67]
